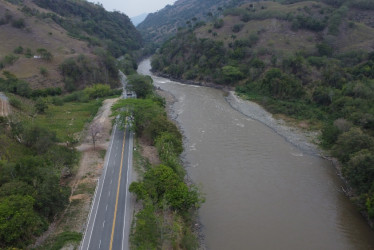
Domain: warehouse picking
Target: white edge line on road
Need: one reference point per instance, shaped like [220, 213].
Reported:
[129, 166]
[101, 190]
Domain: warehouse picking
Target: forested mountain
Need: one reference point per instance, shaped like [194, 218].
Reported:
[310, 60]
[159, 26]
[75, 42]
[92, 22]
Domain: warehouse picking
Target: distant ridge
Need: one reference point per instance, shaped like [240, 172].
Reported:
[161, 25]
[138, 19]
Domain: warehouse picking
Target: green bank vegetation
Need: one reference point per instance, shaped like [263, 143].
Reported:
[320, 75]
[61, 240]
[169, 204]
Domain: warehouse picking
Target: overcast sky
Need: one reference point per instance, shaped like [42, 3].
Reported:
[134, 8]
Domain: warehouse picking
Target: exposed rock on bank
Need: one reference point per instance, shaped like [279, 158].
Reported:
[298, 138]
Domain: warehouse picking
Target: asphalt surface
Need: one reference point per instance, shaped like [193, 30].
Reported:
[110, 217]
[4, 105]
[3, 97]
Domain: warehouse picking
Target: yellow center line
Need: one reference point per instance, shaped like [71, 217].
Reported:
[118, 187]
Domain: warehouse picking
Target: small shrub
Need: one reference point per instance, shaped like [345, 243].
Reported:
[318, 62]
[351, 142]
[246, 17]
[28, 53]
[218, 24]
[19, 23]
[15, 102]
[359, 170]
[308, 22]
[43, 71]
[351, 25]
[324, 49]
[237, 27]
[97, 90]
[336, 20]
[58, 101]
[18, 50]
[64, 238]
[330, 134]
[363, 4]
[45, 54]
[41, 105]
[77, 96]
[10, 59]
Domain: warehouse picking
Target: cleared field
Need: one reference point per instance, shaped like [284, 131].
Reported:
[68, 119]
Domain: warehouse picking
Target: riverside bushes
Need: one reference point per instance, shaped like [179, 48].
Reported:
[168, 202]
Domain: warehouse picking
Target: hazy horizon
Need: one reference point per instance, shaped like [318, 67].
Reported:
[133, 8]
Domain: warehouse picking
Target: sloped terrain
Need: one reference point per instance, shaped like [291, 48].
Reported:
[64, 34]
[159, 26]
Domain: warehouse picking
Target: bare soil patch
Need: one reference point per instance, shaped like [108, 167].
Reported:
[149, 152]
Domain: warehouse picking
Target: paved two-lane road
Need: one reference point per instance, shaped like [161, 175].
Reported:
[4, 105]
[109, 221]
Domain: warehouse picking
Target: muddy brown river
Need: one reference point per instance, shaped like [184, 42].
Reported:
[262, 192]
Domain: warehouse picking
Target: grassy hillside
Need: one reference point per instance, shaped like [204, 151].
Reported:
[159, 26]
[66, 31]
[310, 60]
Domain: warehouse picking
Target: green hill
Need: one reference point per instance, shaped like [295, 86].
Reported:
[159, 26]
[74, 33]
[310, 60]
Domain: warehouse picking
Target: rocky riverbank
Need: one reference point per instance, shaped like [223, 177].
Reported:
[300, 139]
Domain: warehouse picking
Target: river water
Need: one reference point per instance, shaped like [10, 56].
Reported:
[262, 192]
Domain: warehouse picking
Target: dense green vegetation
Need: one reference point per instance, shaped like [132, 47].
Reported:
[159, 26]
[168, 202]
[13, 85]
[33, 166]
[319, 77]
[62, 239]
[81, 71]
[127, 64]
